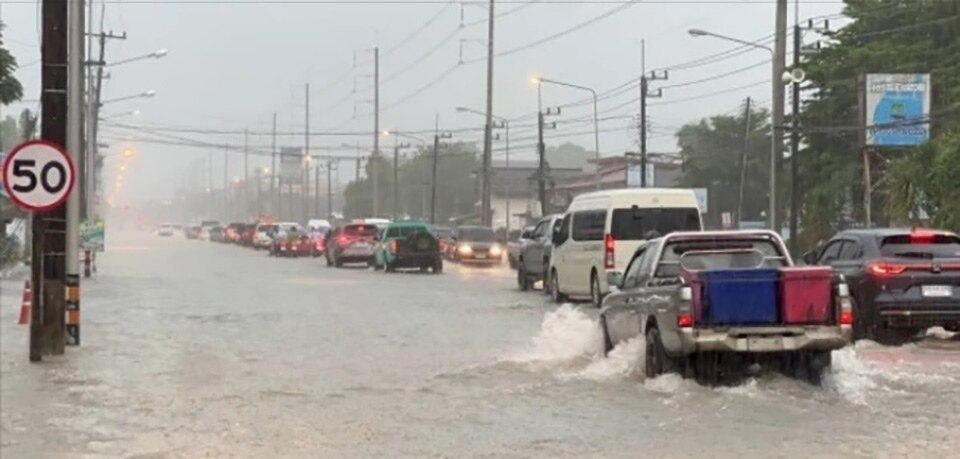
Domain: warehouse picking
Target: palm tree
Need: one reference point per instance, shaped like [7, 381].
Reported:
[10, 88]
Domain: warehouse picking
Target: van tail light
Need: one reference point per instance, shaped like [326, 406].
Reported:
[609, 244]
[886, 269]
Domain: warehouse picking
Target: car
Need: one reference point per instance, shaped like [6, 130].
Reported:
[515, 242]
[711, 305]
[216, 234]
[233, 232]
[352, 243]
[191, 231]
[165, 230]
[318, 238]
[247, 233]
[903, 281]
[286, 240]
[408, 245]
[444, 235]
[533, 259]
[601, 230]
[205, 232]
[477, 244]
[263, 235]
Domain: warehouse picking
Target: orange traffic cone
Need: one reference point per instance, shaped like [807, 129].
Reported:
[25, 304]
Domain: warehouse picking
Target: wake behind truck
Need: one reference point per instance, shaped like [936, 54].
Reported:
[715, 305]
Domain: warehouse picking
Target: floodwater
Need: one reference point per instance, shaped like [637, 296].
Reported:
[193, 349]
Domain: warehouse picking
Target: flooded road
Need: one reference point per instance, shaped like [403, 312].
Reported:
[193, 349]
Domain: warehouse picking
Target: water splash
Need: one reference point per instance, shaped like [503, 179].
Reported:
[624, 361]
[566, 336]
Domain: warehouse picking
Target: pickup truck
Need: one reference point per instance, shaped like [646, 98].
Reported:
[712, 305]
[534, 257]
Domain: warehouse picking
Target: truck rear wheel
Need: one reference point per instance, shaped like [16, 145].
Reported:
[808, 366]
[656, 360]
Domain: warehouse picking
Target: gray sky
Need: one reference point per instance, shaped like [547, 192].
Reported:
[232, 65]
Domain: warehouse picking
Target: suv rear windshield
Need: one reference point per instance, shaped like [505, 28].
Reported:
[360, 230]
[404, 231]
[912, 246]
[477, 234]
[640, 223]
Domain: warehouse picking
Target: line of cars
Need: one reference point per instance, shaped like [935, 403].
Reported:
[715, 305]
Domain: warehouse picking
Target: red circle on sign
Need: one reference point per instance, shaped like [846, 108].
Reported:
[13, 194]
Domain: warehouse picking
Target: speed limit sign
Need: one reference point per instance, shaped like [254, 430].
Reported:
[38, 175]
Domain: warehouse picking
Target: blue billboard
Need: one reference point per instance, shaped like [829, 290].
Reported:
[897, 109]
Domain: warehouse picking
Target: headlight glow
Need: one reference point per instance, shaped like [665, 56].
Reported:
[495, 250]
[465, 249]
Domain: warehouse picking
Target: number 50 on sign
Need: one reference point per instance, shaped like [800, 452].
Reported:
[38, 175]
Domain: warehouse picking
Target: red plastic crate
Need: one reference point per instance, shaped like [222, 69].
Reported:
[806, 295]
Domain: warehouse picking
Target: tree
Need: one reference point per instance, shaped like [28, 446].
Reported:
[456, 185]
[10, 88]
[712, 150]
[885, 36]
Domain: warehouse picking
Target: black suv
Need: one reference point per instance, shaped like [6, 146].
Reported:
[902, 281]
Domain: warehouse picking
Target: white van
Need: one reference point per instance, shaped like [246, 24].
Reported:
[601, 231]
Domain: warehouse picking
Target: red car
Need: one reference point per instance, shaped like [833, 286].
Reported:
[295, 246]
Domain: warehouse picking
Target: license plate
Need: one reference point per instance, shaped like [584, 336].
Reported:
[937, 291]
[481, 256]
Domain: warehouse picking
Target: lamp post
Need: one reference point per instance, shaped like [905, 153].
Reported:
[505, 124]
[596, 123]
[154, 55]
[777, 108]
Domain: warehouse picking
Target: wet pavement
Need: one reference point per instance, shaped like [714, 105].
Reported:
[193, 349]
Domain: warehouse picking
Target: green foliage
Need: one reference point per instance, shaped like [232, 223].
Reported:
[712, 150]
[886, 36]
[456, 185]
[10, 88]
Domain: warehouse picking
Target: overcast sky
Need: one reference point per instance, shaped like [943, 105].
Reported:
[232, 65]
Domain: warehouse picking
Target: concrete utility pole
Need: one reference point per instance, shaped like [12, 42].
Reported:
[273, 167]
[779, 58]
[376, 133]
[305, 184]
[541, 153]
[437, 135]
[485, 211]
[210, 201]
[91, 171]
[330, 189]
[75, 90]
[396, 176]
[48, 274]
[246, 174]
[743, 160]
[795, 144]
[644, 95]
[226, 181]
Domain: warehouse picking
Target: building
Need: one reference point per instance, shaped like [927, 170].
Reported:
[663, 171]
[513, 191]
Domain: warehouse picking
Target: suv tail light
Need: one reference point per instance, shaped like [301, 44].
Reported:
[886, 269]
[609, 244]
[393, 246]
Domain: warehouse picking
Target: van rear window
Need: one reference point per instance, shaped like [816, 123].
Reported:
[645, 223]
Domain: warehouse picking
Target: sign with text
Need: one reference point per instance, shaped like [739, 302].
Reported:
[38, 175]
[92, 235]
[897, 109]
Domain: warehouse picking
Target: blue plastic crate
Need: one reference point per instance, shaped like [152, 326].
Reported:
[741, 296]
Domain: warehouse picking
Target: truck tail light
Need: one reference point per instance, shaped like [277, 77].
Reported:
[685, 312]
[684, 320]
[846, 317]
[609, 244]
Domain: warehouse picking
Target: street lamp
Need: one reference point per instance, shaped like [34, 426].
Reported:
[146, 95]
[505, 124]
[772, 211]
[596, 125]
[154, 55]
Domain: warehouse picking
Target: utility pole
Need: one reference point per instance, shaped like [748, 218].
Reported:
[795, 143]
[330, 189]
[743, 161]
[305, 184]
[48, 273]
[210, 201]
[396, 176]
[316, 189]
[437, 135]
[779, 58]
[273, 167]
[645, 93]
[75, 90]
[485, 211]
[226, 181]
[246, 175]
[541, 153]
[376, 133]
[90, 169]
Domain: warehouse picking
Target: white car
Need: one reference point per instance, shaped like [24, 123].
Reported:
[601, 231]
[165, 230]
[263, 235]
[205, 233]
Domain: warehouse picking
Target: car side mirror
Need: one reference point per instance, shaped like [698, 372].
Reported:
[614, 279]
[557, 237]
[810, 258]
